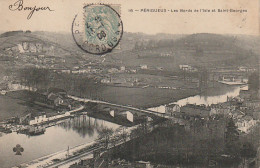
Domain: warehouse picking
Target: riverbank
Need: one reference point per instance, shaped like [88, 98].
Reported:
[81, 129]
[144, 98]
[139, 97]
[59, 156]
[19, 103]
[73, 154]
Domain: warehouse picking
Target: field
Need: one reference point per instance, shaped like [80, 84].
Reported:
[140, 97]
[11, 108]
[14, 104]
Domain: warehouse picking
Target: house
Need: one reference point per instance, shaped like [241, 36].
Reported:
[142, 164]
[57, 97]
[113, 70]
[246, 69]
[245, 124]
[133, 70]
[122, 68]
[184, 67]
[219, 109]
[242, 69]
[58, 101]
[171, 109]
[252, 104]
[188, 68]
[245, 94]
[143, 66]
[105, 80]
[237, 114]
[25, 119]
[83, 71]
[32, 47]
[38, 120]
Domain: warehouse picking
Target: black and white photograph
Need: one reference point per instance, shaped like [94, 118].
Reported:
[129, 84]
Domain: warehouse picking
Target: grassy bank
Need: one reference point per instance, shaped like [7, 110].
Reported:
[139, 97]
[17, 104]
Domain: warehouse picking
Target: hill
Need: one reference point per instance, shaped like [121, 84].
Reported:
[160, 50]
[197, 49]
[20, 45]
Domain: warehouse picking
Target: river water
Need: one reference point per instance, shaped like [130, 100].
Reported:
[210, 97]
[71, 132]
[83, 129]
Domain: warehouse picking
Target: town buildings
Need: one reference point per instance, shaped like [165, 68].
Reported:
[172, 109]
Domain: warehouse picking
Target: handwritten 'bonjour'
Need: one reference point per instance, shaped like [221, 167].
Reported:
[18, 6]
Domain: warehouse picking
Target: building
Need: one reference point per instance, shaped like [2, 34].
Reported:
[172, 109]
[25, 119]
[122, 68]
[252, 104]
[245, 94]
[237, 114]
[113, 70]
[38, 120]
[246, 69]
[188, 68]
[219, 109]
[55, 99]
[184, 67]
[105, 80]
[245, 124]
[143, 164]
[143, 66]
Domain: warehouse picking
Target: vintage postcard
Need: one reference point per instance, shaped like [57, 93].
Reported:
[129, 84]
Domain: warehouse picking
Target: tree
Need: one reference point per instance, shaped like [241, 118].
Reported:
[105, 135]
[232, 139]
[247, 151]
[253, 81]
[124, 134]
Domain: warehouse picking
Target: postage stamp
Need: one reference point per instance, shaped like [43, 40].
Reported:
[98, 29]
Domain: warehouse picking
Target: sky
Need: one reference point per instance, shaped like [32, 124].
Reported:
[60, 19]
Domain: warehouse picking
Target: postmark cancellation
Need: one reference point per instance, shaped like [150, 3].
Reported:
[98, 29]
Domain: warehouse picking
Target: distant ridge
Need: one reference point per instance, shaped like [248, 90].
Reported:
[13, 33]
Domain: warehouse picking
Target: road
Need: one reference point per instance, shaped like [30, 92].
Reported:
[73, 159]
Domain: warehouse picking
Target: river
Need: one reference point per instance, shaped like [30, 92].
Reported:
[83, 129]
[72, 132]
[210, 97]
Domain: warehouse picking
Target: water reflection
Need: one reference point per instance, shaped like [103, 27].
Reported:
[210, 97]
[85, 125]
[71, 132]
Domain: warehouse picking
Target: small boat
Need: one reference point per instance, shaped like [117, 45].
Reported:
[36, 130]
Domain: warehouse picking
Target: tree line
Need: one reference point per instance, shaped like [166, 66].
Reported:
[42, 79]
